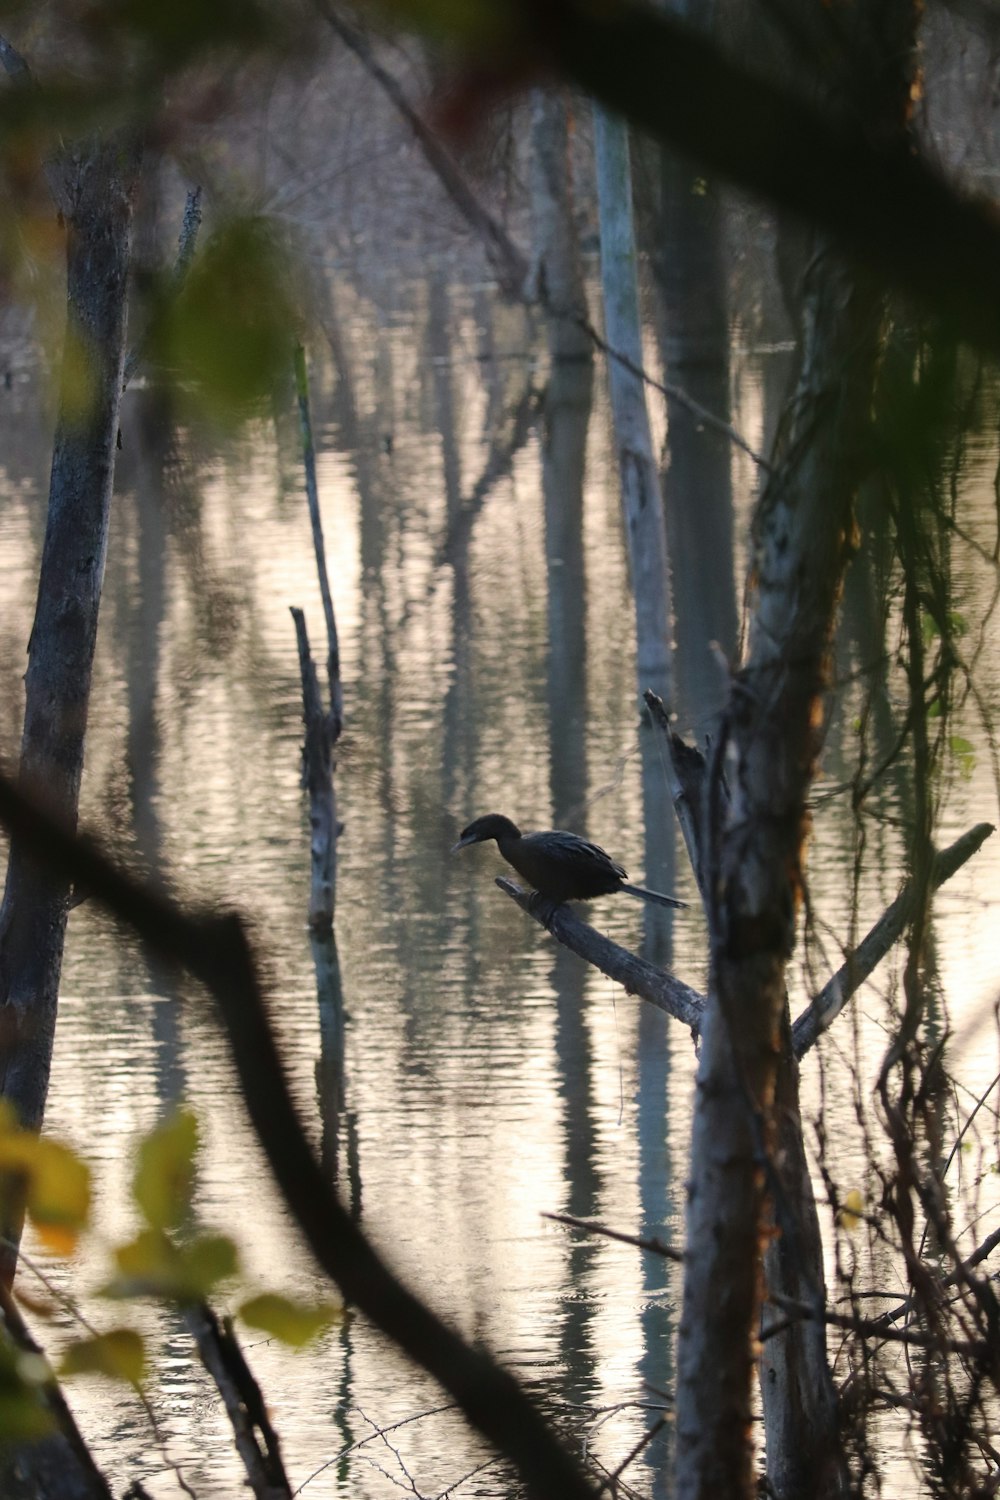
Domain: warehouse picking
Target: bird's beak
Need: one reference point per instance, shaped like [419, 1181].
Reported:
[470, 838]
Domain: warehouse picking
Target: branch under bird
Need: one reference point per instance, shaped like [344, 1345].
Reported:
[561, 866]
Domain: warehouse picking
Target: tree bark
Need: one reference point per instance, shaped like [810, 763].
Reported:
[97, 209]
[641, 498]
[558, 275]
[746, 1095]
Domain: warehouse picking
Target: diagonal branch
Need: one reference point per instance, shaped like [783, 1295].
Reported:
[827, 1005]
[214, 948]
[634, 974]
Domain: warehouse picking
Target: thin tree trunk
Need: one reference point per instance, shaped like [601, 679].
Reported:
[558, 276]
[643, 504]
[97, 210]
[641, 498]
[695, 344]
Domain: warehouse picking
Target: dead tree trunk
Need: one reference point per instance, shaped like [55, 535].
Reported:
[771, 739]
[97, 185]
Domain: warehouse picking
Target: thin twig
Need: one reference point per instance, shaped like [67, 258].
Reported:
[875, 1328]
[658, 1247]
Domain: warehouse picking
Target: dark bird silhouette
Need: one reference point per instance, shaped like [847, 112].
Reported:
[559, 865]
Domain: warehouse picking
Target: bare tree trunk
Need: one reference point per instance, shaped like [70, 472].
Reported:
[97, 208]
[557, 272]
[695, 341]
[643, 504]
[642, 501]
[801, 544]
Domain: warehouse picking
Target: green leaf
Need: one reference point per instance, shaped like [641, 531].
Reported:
[119, 1354]
[210, 1259]
[164, 1174]
[230, 331]
[151, 1265]
[965, 754]
[59, 1195]
[293, 1323]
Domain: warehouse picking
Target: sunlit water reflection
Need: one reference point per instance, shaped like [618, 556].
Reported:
[489, 1079]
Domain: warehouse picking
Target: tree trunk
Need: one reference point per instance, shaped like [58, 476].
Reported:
[801, 544]
[695, 344]
[557, 271]
[97, 209]
[643, 504]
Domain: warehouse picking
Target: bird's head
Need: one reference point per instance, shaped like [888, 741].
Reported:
[492, 826]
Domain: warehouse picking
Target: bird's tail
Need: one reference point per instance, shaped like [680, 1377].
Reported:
[646, 895]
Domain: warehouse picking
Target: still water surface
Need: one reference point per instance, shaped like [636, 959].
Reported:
[490, 1078]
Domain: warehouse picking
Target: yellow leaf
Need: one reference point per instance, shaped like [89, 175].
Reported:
[59, 1191]
[851, 1210]
[51, 1182]
[120, 1355]
[293, 1323]
[164, 1173]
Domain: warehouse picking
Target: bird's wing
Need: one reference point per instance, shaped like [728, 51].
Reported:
[571, 848]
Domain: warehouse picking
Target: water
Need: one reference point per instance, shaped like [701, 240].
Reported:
[490, 1078]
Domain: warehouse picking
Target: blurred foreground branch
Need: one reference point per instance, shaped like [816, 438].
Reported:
[214, 948]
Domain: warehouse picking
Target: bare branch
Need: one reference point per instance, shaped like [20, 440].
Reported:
[658, 1247]
[214, 948]
[827, 1005]
[634, 974]
[256, 1440]
[875, 1328]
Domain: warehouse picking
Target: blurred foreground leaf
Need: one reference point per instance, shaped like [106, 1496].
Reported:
[151, 1265]
[230, 330]
[24, 1414]
[851, 1210]
[293, 1323]
[120, 1355]
[164, 1174]
[49, 1181]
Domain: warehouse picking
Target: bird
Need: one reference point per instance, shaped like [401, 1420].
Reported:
[561, 866]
